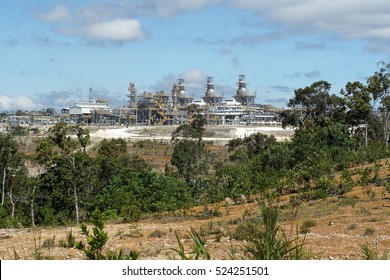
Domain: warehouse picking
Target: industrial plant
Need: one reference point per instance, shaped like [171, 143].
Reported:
[174, 108]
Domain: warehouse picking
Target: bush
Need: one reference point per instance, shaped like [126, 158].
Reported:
[306, 225]
[131, 213]
[346, 200]
[199, 251]
[96, 241]
[157, 233]
[267, 240]
[370, 254]
[109, 214]
[70, 240]
[369, 231]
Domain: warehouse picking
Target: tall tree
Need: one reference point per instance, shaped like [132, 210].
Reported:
[314, 104]
[64, 161]
[189, 155]
[83, 137]
[378, 86]
[358, 101]
[8, 158]
[59, 135]
[191, 159]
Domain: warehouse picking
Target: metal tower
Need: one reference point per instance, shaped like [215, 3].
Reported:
[90, 98]
[242, 94]
[132, 95]
[210, 97]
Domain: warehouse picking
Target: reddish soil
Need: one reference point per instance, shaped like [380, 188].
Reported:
[341, 227]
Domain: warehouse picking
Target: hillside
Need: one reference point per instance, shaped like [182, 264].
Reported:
[342, 225]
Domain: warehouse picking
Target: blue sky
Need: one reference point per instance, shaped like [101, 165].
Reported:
[52, 52]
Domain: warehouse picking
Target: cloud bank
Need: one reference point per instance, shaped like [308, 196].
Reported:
[95, 23]
[8, 103]
[349, 19]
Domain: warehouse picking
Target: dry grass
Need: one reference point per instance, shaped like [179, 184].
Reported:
[339, 232]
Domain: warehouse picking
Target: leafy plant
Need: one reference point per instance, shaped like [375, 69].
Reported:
[97, 240]
[70, 240]
[268, 241]
[38, 249]
[370, 254]
[199, 250]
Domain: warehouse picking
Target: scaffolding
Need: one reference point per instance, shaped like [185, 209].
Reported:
[180, 101]
[174, 108]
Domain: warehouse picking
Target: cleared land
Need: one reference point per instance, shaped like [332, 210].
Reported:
[342, 226]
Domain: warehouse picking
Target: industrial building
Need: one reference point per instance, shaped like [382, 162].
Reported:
[176, 107]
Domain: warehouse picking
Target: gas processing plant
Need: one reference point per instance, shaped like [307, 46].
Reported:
[177, 107]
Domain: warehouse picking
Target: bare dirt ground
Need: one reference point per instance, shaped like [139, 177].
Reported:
[342, 226]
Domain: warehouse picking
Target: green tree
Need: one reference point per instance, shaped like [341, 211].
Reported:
[194, 130]
[9, 159]
[251, 145]
[112, 148]
[189, 155]
[378, 86]
[62, 180]
[49, 112]
[314, 103]
[83, 137]
[359, 107]
[59, 135]
[191, 159]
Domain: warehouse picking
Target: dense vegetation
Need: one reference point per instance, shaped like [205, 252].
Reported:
[333, 133]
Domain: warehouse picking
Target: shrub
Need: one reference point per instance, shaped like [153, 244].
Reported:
[306, 225]
[371, 254]
[131, 213]
[97, 240]
[199, 250]
[70, 240]
[157, 233]
[352, 227]
[268, 241]
[346, 200]
[369, 231]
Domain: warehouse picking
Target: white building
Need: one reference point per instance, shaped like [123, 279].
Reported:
[85, 110]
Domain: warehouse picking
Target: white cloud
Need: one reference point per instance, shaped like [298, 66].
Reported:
[59, 13]
[346, 18]
[17, 103]
[119, 30]
[193, 76]
[194, 80]
[60, 99]
[169, 8]
[97, 22]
